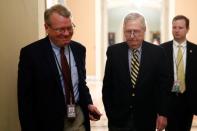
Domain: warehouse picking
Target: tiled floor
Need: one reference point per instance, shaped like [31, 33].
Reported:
[101, 125]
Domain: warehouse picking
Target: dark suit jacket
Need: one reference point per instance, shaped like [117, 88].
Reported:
[150, 92]
[190, 75]
[41, 102]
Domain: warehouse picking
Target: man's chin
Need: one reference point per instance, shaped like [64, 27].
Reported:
[67, 42]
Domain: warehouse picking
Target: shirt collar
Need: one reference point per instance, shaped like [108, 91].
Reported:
[183, 44]
[138, 49]
[55, 48]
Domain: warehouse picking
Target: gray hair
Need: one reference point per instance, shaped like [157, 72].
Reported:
[134, 16]
[60, 9]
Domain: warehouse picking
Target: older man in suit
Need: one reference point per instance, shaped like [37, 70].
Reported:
[183, 76]
[135, 85]
[52, 91]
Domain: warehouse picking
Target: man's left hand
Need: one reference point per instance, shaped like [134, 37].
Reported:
[161, 123]
[94, 113]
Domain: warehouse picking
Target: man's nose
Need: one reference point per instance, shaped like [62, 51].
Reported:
[132, 34]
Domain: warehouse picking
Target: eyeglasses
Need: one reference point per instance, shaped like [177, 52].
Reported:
[63, 30]
[133, 32]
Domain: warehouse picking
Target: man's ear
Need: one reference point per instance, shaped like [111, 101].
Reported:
[46, 28]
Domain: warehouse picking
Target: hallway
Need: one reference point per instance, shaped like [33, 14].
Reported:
[101, 125]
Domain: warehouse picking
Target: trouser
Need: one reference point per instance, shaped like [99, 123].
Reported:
[77, 123]
[129, 125]
[180, 115]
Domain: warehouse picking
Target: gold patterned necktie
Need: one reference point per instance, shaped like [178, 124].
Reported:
[180, 70]
[134, 67]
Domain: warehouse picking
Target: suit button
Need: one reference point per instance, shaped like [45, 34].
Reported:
[133, 94]
[131, 107]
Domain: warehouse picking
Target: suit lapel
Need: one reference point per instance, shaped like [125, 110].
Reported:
[170, 55]
[50, 59]
[78, 57]
[188, 58]
[143, 62]
[146, 57]
[75, 52]
[125, 62]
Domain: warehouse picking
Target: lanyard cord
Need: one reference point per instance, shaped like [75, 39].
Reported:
[58, 63]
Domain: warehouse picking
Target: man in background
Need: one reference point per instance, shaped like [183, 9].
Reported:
[182, 62]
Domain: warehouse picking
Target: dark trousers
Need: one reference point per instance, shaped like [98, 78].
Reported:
[128, 125]
[180, 116]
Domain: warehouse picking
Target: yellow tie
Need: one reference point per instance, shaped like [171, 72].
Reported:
[180, 70]
[134, 67]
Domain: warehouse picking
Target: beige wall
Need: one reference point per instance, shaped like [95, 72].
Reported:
[18, 26]
[188, 8]
[83, 13]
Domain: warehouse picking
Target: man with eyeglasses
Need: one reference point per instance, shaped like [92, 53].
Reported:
[52, 90]
[135, 84]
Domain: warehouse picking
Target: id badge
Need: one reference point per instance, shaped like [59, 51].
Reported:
[71, 112]
[176, 86]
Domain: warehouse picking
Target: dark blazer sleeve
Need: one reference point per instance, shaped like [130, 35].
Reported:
[191, 75]
[25, 98]
[107, 84]
[163, 83]
[83, 79]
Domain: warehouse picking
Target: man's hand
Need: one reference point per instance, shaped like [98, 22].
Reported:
[161, 123]
[94, 113]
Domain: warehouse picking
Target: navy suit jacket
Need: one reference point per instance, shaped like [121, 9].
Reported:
[151, 94]
[41, 102]
[190, 74]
